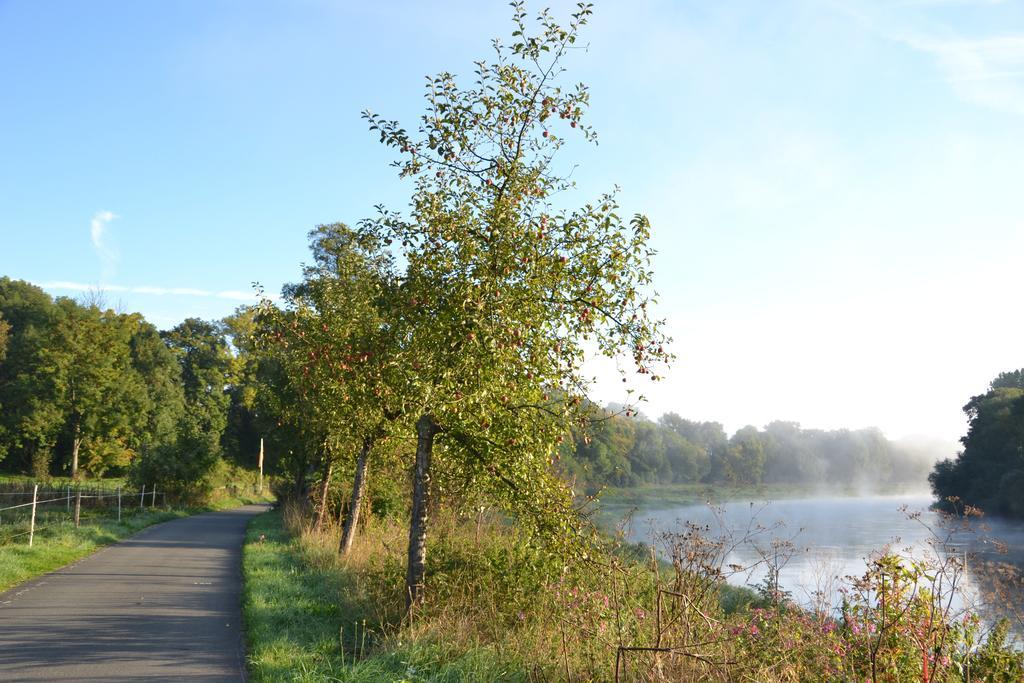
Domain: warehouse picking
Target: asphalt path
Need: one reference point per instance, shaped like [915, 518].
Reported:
[162, 605]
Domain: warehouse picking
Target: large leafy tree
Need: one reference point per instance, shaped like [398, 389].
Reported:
[87, 366]
[504, 289]
[159, 371]
[207, 372]
[207, 369]
[30, 420]
[989, 472]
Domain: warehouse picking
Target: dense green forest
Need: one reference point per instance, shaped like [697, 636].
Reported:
[989, 472]
[88, 391]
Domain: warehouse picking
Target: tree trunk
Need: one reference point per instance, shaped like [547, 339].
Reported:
[76, 442]
[324, 489]
[358, 487]
[426, 428]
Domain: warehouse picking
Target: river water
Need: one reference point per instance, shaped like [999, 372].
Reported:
[817, 542]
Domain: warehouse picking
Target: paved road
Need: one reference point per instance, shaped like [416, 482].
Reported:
[162, 605]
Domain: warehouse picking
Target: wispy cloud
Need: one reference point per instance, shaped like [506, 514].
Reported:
[230, 294]
[986, 69]
[988, 72]
[98, 234]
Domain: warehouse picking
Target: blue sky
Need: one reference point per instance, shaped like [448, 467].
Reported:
[834, 186]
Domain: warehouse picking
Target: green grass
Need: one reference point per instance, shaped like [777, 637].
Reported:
[305, 621]
[57, 542]
[106, 483]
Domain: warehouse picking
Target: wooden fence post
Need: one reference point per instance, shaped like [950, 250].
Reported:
[142, 497]
[118, 504]
[152, 498]
[78, 507]
[69, 497]
[32, 524]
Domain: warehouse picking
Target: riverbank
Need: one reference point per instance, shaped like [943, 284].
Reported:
[499, 607]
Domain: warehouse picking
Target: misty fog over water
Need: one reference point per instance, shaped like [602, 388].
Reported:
[821, 540]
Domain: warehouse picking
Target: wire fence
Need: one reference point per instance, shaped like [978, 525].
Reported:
[26, 509]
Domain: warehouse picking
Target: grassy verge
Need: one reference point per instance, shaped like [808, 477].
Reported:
[308, 618]
[58, 542]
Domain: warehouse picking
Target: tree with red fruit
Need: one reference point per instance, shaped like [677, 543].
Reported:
[332, 336]
[506, 287]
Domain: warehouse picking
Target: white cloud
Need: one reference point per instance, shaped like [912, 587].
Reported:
[233, 295]
[97, 232]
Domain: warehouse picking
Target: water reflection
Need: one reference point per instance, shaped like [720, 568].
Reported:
[816, 543]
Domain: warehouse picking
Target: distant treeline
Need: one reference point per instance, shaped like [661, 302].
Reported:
[989, 472]
[624, 450]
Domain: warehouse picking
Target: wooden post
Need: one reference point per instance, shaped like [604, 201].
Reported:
[142, 497]
[78, 507]
[32, 524]
[69, 497]
[118, 504]
[261, 466]
[152, 498]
